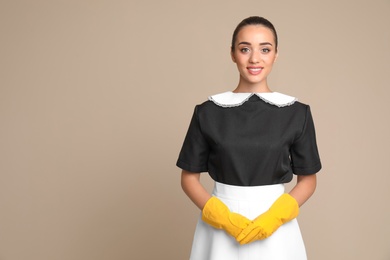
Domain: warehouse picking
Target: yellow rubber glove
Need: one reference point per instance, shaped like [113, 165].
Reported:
[284, 209]
[217, 214]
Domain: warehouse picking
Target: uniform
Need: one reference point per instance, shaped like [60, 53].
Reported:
[250, 144]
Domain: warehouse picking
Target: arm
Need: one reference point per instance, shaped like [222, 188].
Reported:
[284, 209]
[190, 183]
[305, 187]
[214, 211]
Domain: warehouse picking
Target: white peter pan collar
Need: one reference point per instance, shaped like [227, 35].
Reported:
[231, 99]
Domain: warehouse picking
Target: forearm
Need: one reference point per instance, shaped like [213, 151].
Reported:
[305, 187]
[190, 183]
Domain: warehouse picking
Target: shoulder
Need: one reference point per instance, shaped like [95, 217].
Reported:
[301, 106]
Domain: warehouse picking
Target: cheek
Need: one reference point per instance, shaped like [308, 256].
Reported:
[239, 61]
[270, 59]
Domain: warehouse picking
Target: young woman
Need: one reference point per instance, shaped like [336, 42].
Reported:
[251, 141]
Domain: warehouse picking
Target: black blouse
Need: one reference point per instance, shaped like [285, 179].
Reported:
[254, 143]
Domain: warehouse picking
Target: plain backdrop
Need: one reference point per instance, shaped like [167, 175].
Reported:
[96, 98]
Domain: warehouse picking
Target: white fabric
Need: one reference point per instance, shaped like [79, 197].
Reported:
[215, 244]
[231, 99]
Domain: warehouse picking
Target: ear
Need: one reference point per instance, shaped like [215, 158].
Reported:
[276, 56]
[232, 56]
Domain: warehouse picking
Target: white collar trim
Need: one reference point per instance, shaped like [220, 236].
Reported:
[231, 99]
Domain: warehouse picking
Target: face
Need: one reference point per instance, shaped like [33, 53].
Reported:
[254, 54]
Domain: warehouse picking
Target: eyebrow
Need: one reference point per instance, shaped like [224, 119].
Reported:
[262, 43]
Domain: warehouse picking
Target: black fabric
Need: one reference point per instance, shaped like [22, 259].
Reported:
[253, 144]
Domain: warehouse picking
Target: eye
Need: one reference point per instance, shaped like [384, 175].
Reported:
[244, 50]
[265, 50]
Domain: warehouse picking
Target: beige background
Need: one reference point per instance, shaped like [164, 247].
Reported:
[96, 97]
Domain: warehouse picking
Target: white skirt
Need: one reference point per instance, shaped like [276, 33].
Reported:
[215, 244]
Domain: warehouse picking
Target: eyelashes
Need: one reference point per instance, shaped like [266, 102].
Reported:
[247, 50]
[244, 50]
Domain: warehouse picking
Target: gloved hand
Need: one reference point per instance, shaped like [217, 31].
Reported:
[217, 214]
[284, 209]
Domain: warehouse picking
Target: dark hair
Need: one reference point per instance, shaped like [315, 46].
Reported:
[254, 20]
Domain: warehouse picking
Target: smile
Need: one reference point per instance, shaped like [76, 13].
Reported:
[254, 70]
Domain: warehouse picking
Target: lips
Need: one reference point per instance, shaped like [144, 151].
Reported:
[254, 70]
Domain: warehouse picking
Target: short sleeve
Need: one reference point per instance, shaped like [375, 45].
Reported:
[305, 159]
[194, 153]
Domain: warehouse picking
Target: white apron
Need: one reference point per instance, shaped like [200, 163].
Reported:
[214, 244]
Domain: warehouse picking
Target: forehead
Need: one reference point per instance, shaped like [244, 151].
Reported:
[255, 34]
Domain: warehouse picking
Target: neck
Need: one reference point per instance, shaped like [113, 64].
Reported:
[252, 88]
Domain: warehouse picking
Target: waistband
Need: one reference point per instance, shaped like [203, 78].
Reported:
[264, 192]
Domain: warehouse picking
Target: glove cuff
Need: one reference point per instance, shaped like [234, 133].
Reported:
[285, 207]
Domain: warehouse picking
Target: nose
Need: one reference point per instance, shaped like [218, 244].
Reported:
[254, 58]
